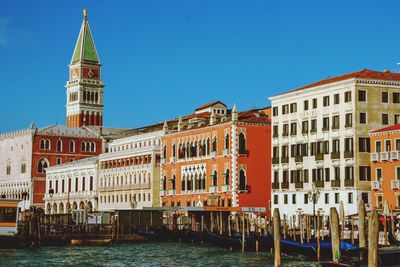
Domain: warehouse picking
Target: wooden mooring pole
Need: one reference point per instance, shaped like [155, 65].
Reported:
[334, 222]
[243, 229]
[318, 234]
[373, 237]
[277, 238]
[361, 228]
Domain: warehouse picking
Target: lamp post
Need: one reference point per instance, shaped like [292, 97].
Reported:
[313, 195]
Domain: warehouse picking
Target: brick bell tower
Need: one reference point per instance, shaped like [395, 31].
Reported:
[84, 87]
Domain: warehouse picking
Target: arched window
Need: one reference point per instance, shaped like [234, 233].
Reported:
[59, 146]
[183, 184]
[208, 146]
[23, 167]
[88, 146]
[42, 144]
[215, 177]
[42, 165]
[173, 182]
[165, 152]
[93, 146]
[72, 146]
[8, 169]
[227, 141]
[214, 144]
[242, 144]
[173, 150]
[242, 180]
[227, 177]
[164, 187]
[83, 146]
[47, 144]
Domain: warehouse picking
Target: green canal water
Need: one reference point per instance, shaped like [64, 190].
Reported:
[145, 254]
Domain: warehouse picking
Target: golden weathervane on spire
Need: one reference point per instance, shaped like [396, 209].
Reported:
[84, 12]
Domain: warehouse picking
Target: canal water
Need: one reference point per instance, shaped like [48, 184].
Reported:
[145, 254]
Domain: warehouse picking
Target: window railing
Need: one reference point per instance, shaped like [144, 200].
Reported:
[348, 182]
[284, 159]
[319, 156]
[348, 154]
[319, 184]
[299, 185]
[275, 185]
[335, 183]
[395, 184]
[275, 160]
[374, 156]
[285, 185]
[335, 155]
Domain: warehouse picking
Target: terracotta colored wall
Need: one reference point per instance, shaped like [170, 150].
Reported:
[258, 167]
[388, 171]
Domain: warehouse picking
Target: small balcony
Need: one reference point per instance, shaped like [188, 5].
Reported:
[374, 157]
[335, 127]
[319, 184]
[299, 185]
[172, 159]
[319, 156]
[275, 160]
[304, 131]
[395, 184]
[171, 192]
[348, 125]
[335, 183]
[225, 152]
[335, 155]
[225, 188]
[348, 182]
[212, 189]
[298, 159]
[285, 134]
[375, 185]
[385, 156]
[213, 154]
[284, 160]
[275, 135]
[325, 129]
[313, 131]
[284, 185]
[394, 155]
[162, 161]
[162, 193]
[275, 185]
[348, 154]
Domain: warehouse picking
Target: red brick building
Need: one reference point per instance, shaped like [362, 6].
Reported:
[217, 157]
[56, 145]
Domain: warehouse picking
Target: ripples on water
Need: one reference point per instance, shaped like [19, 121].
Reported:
[145, 254]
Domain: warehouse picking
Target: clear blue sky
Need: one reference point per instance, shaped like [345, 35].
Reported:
[162, 59]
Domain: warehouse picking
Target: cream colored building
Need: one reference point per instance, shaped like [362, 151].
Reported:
[129, 175]
[320, 139]
[72, 187]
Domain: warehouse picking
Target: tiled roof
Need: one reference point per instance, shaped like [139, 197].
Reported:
[387, 129]
[362, 74]
[210, 105]
[62, 130]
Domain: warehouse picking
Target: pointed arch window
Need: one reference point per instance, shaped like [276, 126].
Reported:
[173, 150]
[165, 152]
[72, 146]
[183, 184]
[45, 144]
[59, 146]
[164, 187]
[208, 146]
[242, 180]
[242, 144]
[83, 146]
[214, 178]
[227, 175]
[214, 144]
[227, 141]
[23, 167]
[42, 165]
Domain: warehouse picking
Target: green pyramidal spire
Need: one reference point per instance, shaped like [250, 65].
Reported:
[85, 50]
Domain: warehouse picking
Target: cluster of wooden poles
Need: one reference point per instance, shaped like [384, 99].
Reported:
[335, 233]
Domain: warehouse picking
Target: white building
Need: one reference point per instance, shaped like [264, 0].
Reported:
[72, 186]
[320, 138]
[129, 174]
[15, 166]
